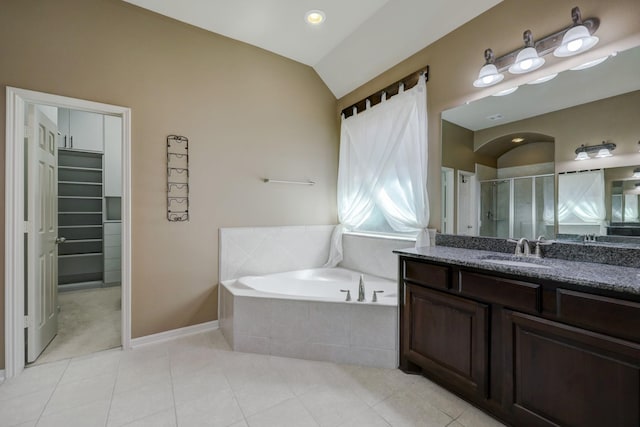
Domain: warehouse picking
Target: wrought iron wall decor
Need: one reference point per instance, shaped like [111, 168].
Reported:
[177, 178]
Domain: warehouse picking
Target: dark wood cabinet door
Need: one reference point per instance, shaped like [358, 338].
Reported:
[447, 337]
[559, 375]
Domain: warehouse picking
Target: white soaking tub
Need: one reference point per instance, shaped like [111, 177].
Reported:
[303, 314]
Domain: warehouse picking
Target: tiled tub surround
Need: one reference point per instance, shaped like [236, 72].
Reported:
[309, 327]
[580, 274]
[325, 328]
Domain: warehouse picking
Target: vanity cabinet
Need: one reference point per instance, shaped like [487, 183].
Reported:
[531, 352]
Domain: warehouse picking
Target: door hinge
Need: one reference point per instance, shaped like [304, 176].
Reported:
[26, 322]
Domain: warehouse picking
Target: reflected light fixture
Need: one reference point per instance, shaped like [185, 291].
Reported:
[577, 39]
[636, 173]
[603, 150]
[315, 17]
[543, 79]
[506, 91]
[527, 59]
[489, 74]
[517, 140]
[590, 64]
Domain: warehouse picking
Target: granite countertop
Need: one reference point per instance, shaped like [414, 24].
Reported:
[586, 274]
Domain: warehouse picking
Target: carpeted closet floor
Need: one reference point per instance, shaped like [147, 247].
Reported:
[89, 321]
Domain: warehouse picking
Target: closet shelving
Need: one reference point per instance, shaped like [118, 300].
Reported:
[80, 221]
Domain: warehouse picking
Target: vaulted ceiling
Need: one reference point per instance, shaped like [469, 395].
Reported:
[359, 39]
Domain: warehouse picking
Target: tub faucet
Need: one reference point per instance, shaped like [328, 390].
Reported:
[361, 289]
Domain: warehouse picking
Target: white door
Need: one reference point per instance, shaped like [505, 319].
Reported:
[467, 211]
[42, 259]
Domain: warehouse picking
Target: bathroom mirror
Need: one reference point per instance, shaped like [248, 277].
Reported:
[507, 161]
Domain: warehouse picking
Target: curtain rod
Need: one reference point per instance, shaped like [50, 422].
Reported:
[409, 81]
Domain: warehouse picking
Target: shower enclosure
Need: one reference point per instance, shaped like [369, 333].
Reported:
[517, 207]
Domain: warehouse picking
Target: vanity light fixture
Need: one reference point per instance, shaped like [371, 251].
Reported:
[603, 150]
[636, 173]
[571, 40]
[489, 74]
[577, 39]
[527, 59]
[315, 17]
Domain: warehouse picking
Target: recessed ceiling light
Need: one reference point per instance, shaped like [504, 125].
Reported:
[495, 117]
[517, 140]
[315, 17]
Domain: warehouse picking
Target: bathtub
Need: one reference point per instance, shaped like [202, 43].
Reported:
[303, 314]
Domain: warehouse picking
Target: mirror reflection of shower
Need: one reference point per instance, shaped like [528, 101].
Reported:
[517, 207]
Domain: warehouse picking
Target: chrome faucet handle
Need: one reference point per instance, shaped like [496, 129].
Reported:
[374, 298]
[348, 294]
[542, 241]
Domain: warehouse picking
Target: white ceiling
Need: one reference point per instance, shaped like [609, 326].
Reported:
[615, 76]
[359, 40]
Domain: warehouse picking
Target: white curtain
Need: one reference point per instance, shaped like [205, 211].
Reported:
[383, 164]
[581, 198]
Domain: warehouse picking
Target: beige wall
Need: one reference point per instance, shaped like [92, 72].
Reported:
[527, 154]
[457, 149]
[248, 114]
[456, 58]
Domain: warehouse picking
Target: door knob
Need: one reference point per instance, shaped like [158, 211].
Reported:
[60, 240]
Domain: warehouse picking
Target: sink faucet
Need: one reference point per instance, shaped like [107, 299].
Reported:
[522, 246]
[361, 289]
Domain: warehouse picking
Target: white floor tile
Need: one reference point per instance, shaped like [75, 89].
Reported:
[33, 379]
[290, 413]
[166, 418]
[219, 410]
[102, 363]
[79, 393]
[197, 381]
[404, 409]
[205, 382]
[23, 408]
[139, 374]
[139, 403]
[331, 406]
[262, 392]
[473, 417]
[92, 414]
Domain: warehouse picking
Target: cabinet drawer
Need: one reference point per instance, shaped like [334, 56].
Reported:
[428, 274]
[507, 292]
[613, 316]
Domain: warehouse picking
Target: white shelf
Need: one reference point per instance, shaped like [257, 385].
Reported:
[91, 254]
[80, 183]
[77, 168]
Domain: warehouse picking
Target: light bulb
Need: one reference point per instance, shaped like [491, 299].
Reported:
[526, 64]
[574, 45]
[604, 152]
[582, 156]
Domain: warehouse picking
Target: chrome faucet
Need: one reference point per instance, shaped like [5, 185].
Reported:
[361, 289]
[522, 246]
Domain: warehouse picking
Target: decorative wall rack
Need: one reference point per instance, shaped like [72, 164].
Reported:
[177, 178]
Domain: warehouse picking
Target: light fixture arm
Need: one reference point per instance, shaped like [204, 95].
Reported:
[594, 148]
[548, 43]
[527, 37]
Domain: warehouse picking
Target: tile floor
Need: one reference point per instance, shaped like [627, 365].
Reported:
[198, 381]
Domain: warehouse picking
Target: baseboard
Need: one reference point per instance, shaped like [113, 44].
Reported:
[174, 333]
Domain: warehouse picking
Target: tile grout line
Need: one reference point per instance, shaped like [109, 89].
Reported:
[113, 390]
[53, 391]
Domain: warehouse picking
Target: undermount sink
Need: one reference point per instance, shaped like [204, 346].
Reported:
[514, 262]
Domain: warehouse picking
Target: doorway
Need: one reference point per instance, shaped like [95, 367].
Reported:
[467, 205]
[23, 225]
